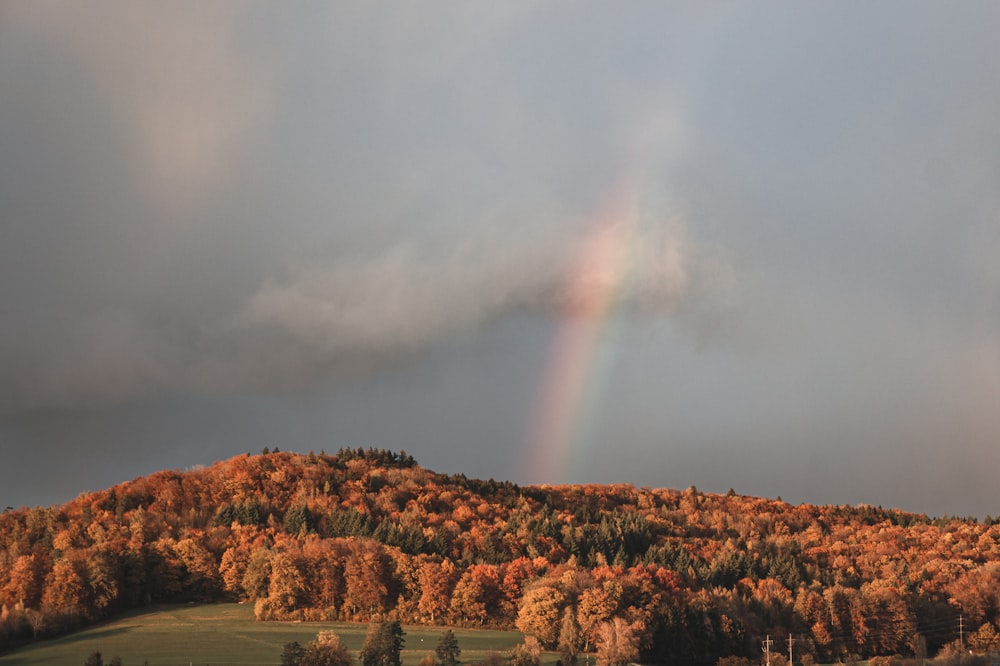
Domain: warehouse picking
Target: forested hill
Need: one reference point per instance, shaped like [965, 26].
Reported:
[368, 534]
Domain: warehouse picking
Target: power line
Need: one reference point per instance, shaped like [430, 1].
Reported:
[767, 650]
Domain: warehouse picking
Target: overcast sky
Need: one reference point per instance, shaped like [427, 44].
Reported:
[747, 245]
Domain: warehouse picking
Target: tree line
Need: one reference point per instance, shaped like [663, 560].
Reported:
[370, 536]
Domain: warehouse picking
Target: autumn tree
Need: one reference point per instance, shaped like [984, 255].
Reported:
[233, 568]
[569, 637]
[65, 592]
[886, 613]
[366, 578]
[257, 575]
[977, 593]
[25, 581]
[528, 653]
[985, 640]
[597, 605]
[322, 567]
[476, 595]
[515, 574]
[325, 650]
[436, 580]
[201, 578]
[286, 586]
[539, 614]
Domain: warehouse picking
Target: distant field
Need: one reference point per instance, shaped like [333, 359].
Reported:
[227, 634]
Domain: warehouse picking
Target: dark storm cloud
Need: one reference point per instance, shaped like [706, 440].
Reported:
[177, 100]
[214, 215]
[331, 319]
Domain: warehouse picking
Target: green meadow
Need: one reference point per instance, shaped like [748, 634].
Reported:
[220, 634]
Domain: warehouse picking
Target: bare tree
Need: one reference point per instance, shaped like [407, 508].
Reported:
[617, 644]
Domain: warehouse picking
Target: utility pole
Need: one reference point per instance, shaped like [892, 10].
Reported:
[790, 642]
[767, 650]
[961, 634]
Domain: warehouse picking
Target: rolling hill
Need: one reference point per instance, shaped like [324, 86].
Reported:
[369, 534]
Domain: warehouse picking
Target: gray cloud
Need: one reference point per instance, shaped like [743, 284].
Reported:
[265, 222]
[176, 83]
[333, 318]
[220, 223]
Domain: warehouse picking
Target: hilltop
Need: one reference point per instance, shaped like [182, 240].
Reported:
[369, 534]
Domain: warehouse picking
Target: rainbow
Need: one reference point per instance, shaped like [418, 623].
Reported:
[582, 350]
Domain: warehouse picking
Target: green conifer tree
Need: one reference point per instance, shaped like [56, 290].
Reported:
[447, 650]
[383, 644]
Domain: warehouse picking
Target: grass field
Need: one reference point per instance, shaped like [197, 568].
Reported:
[220, 634]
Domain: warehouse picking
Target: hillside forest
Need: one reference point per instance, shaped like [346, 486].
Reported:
[370, 536]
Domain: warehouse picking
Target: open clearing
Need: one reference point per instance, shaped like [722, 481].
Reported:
[219, 634]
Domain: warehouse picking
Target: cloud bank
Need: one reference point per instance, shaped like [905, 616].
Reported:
[228, 225]
[202, 214]
[331, 319]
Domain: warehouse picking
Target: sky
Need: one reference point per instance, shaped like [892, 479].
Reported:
[728, 245]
